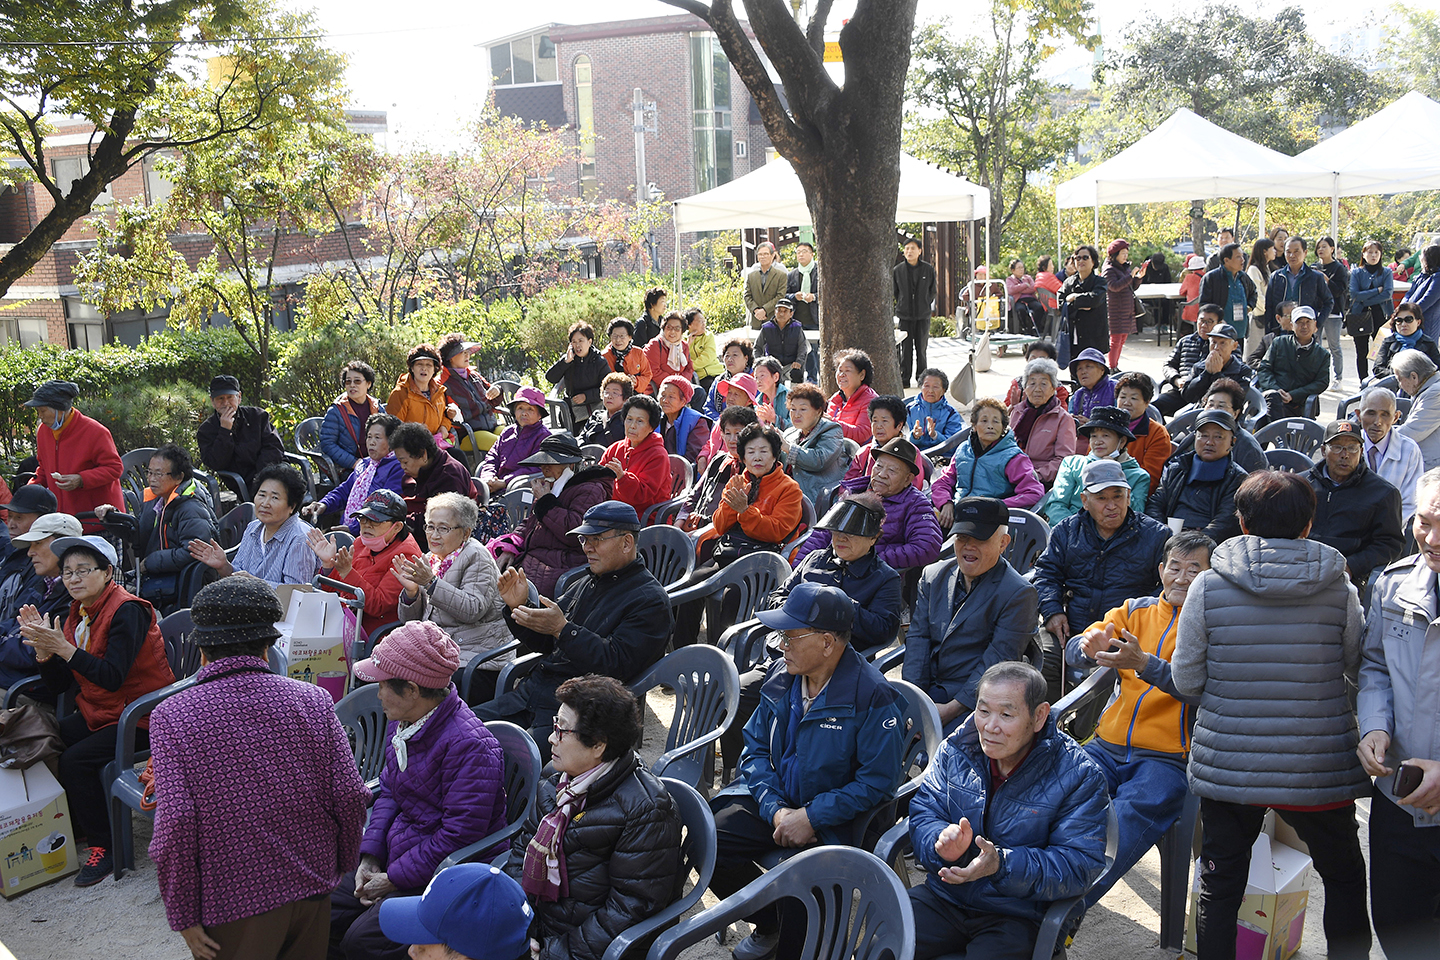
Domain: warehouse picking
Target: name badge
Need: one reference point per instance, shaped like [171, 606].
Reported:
[1405, 628]
[1239, 315]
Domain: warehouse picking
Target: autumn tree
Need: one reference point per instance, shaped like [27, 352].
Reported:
[984, 107]
[132, 68]
[1409, 55]
[843, 140]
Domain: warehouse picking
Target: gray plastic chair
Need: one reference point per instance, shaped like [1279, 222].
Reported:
[754, 575]
[467, 676]
[180, 648]
[517, 504]
[946, 449]
[133, 467]
[855, 908]
[745, 642]
[1182, 425]
[808, 519]
[707, 698]
[682, 474]
[664, 512]
[667, 553]
[1290, 461]
[894, 846]
[307, 441]
[359, 712]
[522, 784]
[231, 528]
[1029, 535]
[592, 451]
[1292, 433]
[697, 855]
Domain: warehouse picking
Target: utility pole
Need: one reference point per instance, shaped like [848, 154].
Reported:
[643, 190]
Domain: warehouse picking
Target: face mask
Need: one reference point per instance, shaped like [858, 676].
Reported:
[373, 544]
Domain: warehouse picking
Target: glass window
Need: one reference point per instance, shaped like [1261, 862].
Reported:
[710, 113]
[66, 170]
[86, 336]
[522, 59]
[157, 188]
[545, 71]
[500, 64]
[585, 122]
[26, 331]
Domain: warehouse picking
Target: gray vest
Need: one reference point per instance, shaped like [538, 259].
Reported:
[1275, 724]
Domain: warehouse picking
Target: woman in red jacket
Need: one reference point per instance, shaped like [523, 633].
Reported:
[78, 459]
[110, 646]
[640, 461]
[850, 405]
[669, 354]
[366, 564]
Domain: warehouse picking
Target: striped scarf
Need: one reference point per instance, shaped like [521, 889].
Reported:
[544, 875]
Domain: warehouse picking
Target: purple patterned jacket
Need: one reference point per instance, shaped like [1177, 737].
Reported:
[260, 800]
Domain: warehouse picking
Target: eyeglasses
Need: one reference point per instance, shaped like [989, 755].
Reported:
[439, 529]
[560, 731]
[595, 539]
[159, 473]
[80, 574]
[787, 641]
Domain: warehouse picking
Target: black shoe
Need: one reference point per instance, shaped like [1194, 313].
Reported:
[97, 868]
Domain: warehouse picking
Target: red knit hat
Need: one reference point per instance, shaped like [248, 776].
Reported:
[419, 652]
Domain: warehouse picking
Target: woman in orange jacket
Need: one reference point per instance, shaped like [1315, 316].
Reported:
[419, 396]
[762, 503]
[624, 355]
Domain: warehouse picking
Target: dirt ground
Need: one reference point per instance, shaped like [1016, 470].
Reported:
[125, 920]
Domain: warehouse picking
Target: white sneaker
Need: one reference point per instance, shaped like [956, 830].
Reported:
[757, 946]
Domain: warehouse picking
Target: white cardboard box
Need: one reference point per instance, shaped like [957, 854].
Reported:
[312, 641]
[1271, 920]
[37, 842]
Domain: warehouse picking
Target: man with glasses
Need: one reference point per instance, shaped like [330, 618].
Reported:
[824, 746]
[1357, 511]
[177, 510]
[613, 620]
[1389, 453]
[1295, 368]
[1193, 347]
[1198, 488]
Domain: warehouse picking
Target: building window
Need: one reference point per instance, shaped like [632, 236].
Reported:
[85, 323]
[585, 122]
[523, 60]
[26, 331]
[66, 170]
[157, 187]
[710, 113]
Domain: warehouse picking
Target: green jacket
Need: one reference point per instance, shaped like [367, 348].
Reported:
[1063, 500]
[1300, 375]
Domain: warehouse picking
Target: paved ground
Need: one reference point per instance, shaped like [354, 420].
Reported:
[126, 919]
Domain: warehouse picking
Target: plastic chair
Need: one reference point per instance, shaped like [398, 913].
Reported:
[697, 855]
[360, 649]
[561, 416]
[1182, 425]
[1290, 461]
[563, 582]
[667, 552]
[745, 642]
[180, 650]
[1292, 433]
[522, 784]
[307, 441]
[855, 908]
[893, 847]
[359, 712]
[682, 474]
[664, 512]
[808, 519]
[946, 450]
[341, 538]
[707, 698]
[134, 465]
[236, 483]
[122, 784]
[467, 676]
[231, 527]
[592, 451]
[517, 505]
[1029, 535]
[754, 575]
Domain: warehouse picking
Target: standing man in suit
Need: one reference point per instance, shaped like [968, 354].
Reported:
[973, 611]
[914, 282]
[763, 286]
[803, 286]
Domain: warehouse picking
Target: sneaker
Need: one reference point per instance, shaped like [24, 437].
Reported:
[757, 946]
[97, 868]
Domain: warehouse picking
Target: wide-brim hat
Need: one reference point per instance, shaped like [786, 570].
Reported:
[852, 518]
[555, 450]
[1107, 418]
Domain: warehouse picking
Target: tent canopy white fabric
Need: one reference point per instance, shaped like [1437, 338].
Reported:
[772, 197]
[1189, 158]
[1393, 151]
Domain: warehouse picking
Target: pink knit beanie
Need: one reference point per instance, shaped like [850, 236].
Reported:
[419, 652]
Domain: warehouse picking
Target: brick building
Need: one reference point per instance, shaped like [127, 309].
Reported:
[705, 129]
[45, 306]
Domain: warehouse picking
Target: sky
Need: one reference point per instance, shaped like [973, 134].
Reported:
[419, 60]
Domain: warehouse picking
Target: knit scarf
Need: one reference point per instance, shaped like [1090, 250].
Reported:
[676, 360]
[403, 732]
[441, 565]
[365, 470]
[1410, 341]
[807, 277]
[1029, 413]
[544, 875]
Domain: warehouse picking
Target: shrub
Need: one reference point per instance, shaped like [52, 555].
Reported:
[305, 375]
[142, 414]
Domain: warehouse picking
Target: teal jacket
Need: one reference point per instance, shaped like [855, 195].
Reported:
[1063, 500]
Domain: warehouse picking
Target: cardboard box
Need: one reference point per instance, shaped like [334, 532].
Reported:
[312, 641]
[1271, 920]
[37, 843]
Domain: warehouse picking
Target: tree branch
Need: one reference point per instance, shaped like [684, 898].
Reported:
[815, 33]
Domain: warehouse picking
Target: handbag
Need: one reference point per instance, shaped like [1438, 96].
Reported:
[732, 546]
[28, 735]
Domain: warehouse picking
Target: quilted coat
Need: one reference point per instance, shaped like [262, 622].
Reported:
[1083, 576]
[451, 793]
[622, 858]
[547, 547]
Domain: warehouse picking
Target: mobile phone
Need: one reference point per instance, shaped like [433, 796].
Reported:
[1407, 778]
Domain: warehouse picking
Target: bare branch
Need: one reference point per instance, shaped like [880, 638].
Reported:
[815, 33]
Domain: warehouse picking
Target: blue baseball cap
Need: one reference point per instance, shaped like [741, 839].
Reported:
[472, 908]
[813, 605]
[608, 515]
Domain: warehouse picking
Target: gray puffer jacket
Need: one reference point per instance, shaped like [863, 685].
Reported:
[1269, 640]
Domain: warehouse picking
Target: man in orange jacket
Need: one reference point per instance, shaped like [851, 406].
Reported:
[1142, 743]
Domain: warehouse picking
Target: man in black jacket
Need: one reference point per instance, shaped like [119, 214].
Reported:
[1223, 361]
[783, 339]
[613, 620]
[1297, 281]
[237, 439]
[1199, 488]
[1357, 511]
[1230, 288]
[1193, 347]
[914, 282]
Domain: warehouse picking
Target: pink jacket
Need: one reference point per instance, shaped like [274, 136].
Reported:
[1052, 439]
[1018, 287]
[853, 415]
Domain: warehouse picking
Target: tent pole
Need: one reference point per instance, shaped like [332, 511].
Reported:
[987, 249]
[1261, 213]
[1059, 255]
[673, 206]
[1335, 208]
[1096, 239]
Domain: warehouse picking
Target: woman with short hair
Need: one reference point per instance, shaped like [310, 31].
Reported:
[1083, 299]
[1043, 427]
[653, 307]
[420, 397]
[110, 646]
[1407, 334]
[989, 463]
[668, 353]
[605, 425]
[275, 545]
[1120, 286]
[850, 404]
[814, 447]
[601, 851]
[470, 392]
[639, 462]
[1372, 297]
[582, 368]
[625, 356]
[429, 471]
[455, 585]
[738, 357]
[342, 432]
[379, 470]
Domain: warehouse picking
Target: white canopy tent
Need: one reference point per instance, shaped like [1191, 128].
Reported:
[773, 197]
[1394, 151]
[1189, 158]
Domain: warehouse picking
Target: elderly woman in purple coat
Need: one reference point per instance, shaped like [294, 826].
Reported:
[442, 787]
[519, 440]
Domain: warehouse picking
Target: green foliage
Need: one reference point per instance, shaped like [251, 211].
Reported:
[305, 374]
[140, 414]
[1409, 56]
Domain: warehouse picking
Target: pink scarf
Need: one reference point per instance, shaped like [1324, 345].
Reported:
[544, 875]
[360, 489]
[441, 565]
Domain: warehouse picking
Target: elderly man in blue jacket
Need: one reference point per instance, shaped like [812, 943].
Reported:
[995, 859]
[824, 746]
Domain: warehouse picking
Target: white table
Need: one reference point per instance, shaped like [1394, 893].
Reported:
[1159, 291]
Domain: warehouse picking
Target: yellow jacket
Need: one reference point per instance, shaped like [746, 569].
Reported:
[1147, 714]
